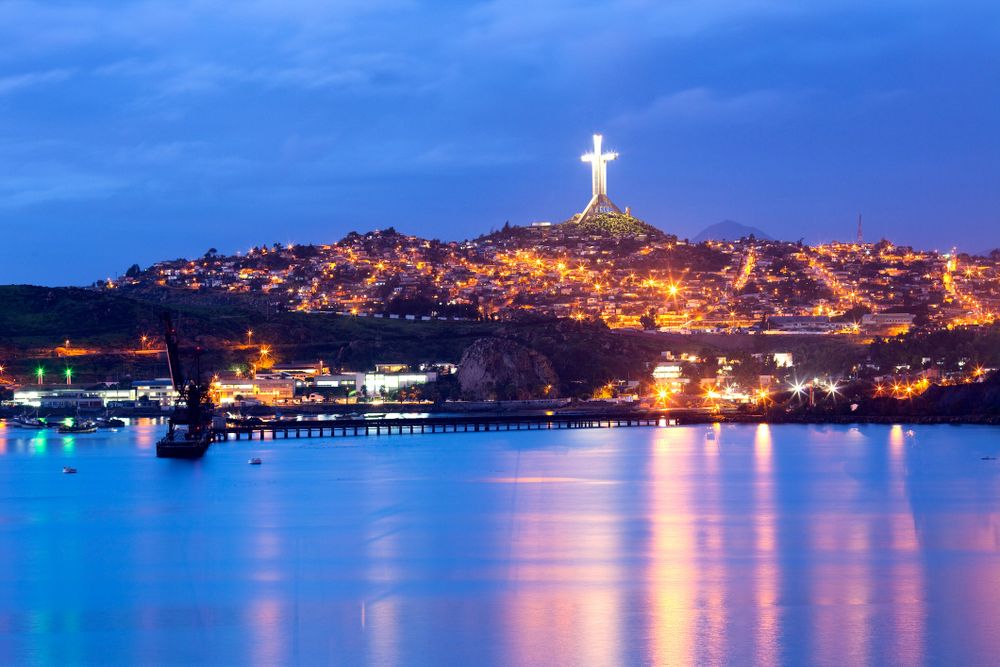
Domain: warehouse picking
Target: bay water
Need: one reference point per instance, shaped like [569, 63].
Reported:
[735, 544]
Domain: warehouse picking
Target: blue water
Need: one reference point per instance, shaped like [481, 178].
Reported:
[771, 545]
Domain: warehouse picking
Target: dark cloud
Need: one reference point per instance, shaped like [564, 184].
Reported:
[131, 130]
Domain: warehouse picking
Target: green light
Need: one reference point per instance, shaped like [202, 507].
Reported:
[40, 372]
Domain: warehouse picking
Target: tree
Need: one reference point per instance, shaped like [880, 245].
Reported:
[133, 271]
[648, 321]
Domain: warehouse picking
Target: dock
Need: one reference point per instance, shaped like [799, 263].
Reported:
[281, 429]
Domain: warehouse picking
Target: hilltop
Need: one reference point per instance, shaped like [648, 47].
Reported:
[615, 225]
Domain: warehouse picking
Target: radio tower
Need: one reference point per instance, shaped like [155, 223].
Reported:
[861, 238]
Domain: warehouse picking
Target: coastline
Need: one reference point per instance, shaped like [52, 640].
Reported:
[680, 416]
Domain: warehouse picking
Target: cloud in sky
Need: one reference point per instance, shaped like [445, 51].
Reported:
[185, 124]
[15, 82]
[701, 105]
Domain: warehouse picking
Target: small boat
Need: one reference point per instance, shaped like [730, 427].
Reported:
[30, 422]
[110, 422]
[254, 461]
[68, 470]
[375, 415]
[86, 426]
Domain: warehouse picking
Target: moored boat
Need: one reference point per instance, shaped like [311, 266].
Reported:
[78, 426]
[30, 422]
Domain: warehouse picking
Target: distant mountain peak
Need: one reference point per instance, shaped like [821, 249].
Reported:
[729, 230]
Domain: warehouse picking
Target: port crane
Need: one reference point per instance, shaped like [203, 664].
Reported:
[189, 430]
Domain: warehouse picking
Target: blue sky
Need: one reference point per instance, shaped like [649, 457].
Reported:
[132, 131]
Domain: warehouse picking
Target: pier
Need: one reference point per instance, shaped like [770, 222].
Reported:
[335, 428]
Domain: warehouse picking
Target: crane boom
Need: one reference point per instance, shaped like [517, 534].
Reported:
[173, 355]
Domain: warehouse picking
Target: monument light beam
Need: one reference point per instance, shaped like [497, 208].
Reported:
[599, 202]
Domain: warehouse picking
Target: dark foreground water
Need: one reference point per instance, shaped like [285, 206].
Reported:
[770, 545]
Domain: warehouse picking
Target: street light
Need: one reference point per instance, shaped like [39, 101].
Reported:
[249, 335]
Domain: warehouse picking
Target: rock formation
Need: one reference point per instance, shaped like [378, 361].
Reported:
[502, 369]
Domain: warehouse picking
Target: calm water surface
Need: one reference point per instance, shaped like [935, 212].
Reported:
[778, 545]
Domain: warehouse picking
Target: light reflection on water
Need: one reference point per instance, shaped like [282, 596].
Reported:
[766, 544]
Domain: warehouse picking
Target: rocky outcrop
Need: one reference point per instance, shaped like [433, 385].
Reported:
[502, 369]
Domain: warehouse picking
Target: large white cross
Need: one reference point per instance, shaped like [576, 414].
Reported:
[599, 166]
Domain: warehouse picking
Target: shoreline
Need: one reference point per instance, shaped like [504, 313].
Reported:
[681, 416]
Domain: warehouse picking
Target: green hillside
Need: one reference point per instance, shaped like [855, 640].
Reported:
[35, 320]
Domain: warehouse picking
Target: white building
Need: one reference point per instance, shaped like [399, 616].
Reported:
[887, 323]
[378, 381]
[70, 398]
[159, 391]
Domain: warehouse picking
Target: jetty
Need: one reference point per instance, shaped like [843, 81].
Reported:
[280, 429]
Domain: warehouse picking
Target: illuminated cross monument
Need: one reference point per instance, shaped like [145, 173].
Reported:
[599, 203]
